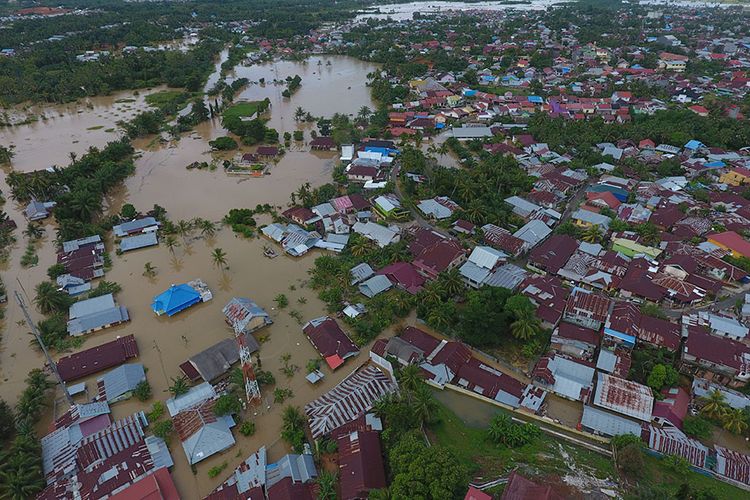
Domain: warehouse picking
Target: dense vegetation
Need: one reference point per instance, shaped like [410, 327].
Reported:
[78, 189]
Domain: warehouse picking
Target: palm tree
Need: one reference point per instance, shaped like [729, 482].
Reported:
[410, 377]
[714, 405]
[85, 204]
[21, 482]
[734, 420]
[360, 247]
[364, 114]
[526, 326]
[381, 494]
[33, 231]
[591, 234]
[149, 270]
[179, 386]
[451, 282]
[183, 228]
[299, 113]
[219, 257]
[49, 299]
[171, 243]
[208, 228]
[423, 405]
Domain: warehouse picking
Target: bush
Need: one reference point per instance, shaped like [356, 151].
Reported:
[163, 429]
[55, 270]
[215, 471]
[503, 430]
[223, 144]
[157, 410]
[247, 428]
[265, 378]
[227, 404]
[142, 391]
[697, 427]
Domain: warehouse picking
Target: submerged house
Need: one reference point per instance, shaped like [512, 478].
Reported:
[180, 297]
[244, 315]
[119, 384]
[330, 341]
[95, 314]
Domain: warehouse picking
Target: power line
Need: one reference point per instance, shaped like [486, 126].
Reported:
[34, 330]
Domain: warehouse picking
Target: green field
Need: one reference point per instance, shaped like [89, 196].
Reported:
[241, 109]
[168, 101]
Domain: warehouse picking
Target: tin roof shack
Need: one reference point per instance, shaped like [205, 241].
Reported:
[95, 314]
[330, 341]
[37, 210]
[138, 226]
[732, 464]
[95, 359]
[360, 464]
[565, 377]
[520, 488]
[215, 361]
[245, 316]
[248, 480]
[349, 400]
[83, 258]
[119, 384]
[604, 423]
[200, 430]
[721, 360]
[624, 396]
[671, 441]
[575, 341]
[587, 309]
[99, 463]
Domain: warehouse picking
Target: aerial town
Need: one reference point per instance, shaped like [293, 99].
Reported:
[342, 250]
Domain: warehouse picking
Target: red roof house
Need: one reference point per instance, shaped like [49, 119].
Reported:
[360, 464]
[330, 341]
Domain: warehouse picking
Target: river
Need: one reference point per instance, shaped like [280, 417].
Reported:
[161, 178]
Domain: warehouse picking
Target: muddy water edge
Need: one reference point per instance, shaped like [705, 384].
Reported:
[161, 178]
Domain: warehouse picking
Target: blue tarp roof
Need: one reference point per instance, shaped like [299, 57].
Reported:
[715, 164]
[382, 151]
[693, 144]
[629, 339]
[175, 299]
[535, 99]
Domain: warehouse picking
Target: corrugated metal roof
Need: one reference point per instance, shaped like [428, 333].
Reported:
[624, 396]
[375, 285]
[608, 424]
[138, 241]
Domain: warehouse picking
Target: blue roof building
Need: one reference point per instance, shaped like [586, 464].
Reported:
[694, 145]
[177, 298]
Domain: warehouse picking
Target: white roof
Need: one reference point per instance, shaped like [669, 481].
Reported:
[486, 257]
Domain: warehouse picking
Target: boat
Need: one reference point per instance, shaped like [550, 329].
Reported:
[269, 252]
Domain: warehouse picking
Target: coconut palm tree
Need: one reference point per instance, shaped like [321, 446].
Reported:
[364, 114]
[299, 113]
[526, 326]
[149, 270]
[734, 420]
[423, 405]
[591, 234]
[219, 257]
[49, 299]
[85, 204]
[360, 247]
[33, 231]
[451, 282]
[179, 386]
[409, 378]
[22, 481]
[183, 228]
[171, 242]
[207, 228]
[714, 405]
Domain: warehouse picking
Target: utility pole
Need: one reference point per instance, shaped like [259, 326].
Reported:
[34, 330]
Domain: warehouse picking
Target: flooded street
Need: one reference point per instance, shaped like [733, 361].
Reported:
[161, 178]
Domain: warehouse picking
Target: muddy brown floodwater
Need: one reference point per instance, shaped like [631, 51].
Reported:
[161, 178]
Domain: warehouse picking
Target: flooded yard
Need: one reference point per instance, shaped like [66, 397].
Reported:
[161, 178]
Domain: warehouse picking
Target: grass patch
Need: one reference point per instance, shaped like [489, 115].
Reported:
[168, 101]
[96, 127]
[657, 473]
[483, 458]
[241, 109]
